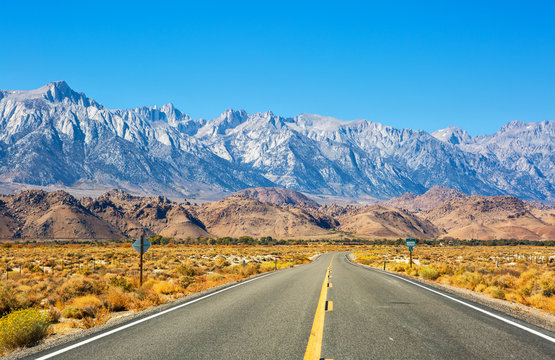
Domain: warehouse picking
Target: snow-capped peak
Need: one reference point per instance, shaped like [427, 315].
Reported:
[453, 135]
[56, 91]
[319, 122]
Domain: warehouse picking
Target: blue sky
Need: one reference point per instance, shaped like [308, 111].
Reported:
[424, 65]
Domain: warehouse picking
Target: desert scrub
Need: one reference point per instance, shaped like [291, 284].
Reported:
[522, 274]
[428, 273]
[121, 282]
[58, 277]
[165, 288]
[8, 300]
[88, 305]
[23, 328]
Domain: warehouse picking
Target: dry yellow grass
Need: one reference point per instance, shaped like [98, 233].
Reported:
[82, 285]
[522, 274]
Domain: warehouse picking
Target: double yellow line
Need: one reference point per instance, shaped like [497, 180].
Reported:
[314, 347]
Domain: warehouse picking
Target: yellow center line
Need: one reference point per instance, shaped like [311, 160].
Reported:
[314, 346]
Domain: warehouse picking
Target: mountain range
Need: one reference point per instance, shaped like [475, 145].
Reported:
[276, 212]
[56, 137]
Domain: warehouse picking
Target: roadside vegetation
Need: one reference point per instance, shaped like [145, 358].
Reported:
[54, 289]
[523, 274]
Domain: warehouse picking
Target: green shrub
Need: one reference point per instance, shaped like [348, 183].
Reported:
[72, 312]
[23, 328]
[498, 293]
[121, 282]
[429, 273]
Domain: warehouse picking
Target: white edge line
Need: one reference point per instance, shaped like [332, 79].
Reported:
[113, 331]
[532, 331]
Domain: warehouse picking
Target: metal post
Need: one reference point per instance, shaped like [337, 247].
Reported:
[410, 261]
[141, 263]
[275, 264]
[384, 261]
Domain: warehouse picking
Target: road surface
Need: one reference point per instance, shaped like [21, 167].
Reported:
[370, 315]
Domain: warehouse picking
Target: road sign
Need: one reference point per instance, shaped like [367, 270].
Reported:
[411, 248]
[137, 245]
[411, 242]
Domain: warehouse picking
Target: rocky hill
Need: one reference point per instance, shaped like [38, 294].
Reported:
[497, 217]
[427, 201]
[278, 196]
[240, 215]
[36, 215]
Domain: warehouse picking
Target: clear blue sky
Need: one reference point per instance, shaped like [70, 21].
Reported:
[423, 65]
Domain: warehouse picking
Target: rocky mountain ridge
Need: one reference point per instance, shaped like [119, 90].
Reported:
[54, 136]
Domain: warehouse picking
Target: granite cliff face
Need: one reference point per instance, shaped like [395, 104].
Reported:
[58, 137]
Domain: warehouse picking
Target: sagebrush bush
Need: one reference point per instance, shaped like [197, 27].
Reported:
[55, 314]
[398, 267]
[23, 328]
[429, 273]
[249, 269]
[187, 269]
[547, 283]
[72, 312]
[77, 285]
[117, 301]
[8, 299]
[88, 305]
[165, 288]
[121, 282]
[214, 277]
[185, 281]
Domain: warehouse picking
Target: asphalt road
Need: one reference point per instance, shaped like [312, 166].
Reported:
[374, 316]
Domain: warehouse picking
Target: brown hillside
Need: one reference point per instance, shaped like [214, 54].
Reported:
[492, 217]
[380, 222]
[239, 215]
[40, 214]
[427, 201]
[278, 196]
[147, 216]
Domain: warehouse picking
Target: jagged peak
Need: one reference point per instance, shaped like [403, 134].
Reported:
[522, 125]
[56, 91]
[118, 194]
[453, 135]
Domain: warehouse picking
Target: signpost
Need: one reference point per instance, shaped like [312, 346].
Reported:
[141, 245]
[411, 243]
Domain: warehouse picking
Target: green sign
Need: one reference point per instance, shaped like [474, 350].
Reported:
[411, 248]
[411, 243]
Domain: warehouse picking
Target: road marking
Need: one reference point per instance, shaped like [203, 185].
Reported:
[520, 326]
[314, 346]
[330, 285]
[113, 331]
[329, 305]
